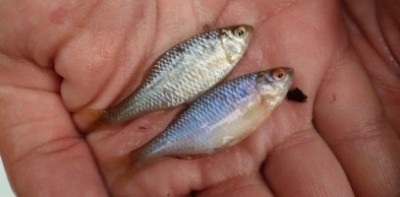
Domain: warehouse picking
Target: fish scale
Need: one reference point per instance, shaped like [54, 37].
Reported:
[222, 116]
[184, 72]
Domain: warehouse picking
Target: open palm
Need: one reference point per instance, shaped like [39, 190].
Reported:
[60, 57]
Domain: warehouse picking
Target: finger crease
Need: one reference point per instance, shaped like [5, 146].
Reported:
[367, 131]
[55, 146]
[295, 139]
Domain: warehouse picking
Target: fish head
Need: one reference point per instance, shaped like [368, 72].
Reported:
[274, 84]
[235, 40]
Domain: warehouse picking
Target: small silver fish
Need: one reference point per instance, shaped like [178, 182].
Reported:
[184, 72]
[223, 116]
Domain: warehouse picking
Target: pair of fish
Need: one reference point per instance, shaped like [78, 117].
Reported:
[219, 118]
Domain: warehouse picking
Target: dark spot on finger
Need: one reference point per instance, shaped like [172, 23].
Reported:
[333, 98]
[142, 128]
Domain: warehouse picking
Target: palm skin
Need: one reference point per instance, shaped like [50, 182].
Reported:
[58, 58]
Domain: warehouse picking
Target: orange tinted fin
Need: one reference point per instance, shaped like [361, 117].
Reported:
[136, 162]
[137, 158]
[91, 120]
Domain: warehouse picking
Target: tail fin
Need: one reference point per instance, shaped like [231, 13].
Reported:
[135, 162]
[138, 157]
[91, 120]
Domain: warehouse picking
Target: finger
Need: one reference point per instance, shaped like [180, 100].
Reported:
[303, 165]
[42, 152]
[299, 162]
[252, 185]
[356, 129]
[379, 58]
[202, 176]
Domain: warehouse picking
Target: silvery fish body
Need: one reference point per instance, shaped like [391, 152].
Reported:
[184, 72]
[223, 116]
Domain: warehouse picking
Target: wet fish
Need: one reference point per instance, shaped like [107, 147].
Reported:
[184, 72]
[223, 116]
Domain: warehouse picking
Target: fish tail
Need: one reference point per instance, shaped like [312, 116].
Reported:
[136, 161]
[92, 120]
[142, 156]
[138, 157]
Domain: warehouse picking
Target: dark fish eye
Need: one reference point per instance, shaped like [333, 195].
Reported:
[239, 32]
[279, 74]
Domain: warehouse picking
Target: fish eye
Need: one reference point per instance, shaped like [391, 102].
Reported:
[240, 32]
[279, 74]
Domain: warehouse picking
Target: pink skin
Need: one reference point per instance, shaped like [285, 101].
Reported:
[61, 56]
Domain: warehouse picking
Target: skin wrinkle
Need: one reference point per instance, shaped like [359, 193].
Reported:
[393, 58]
[82, 27]
[250, 161]
[18, 75]
[54, 89]
[66, 82]
[4, 88]
[39, 175]
[293, 140]
[24, 133]
[218, 17]
[112, 77]
[210, 21]
[54, 146]
[235, 184]
[353, 15]
[43, 148]
[171, 184]
[368, 131]
[352, 18]
[278, 153]
[249, 154]
[314, 28]
[242, 171]
[384, 80]
[32, 121]
[370, 125]
[337, 58]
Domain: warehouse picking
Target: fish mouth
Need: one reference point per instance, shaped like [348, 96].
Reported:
[289, 71]
[288, 82]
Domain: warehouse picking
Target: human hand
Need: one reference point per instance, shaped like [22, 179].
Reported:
[57, 58]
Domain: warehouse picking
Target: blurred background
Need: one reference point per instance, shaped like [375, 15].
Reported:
[5, 189]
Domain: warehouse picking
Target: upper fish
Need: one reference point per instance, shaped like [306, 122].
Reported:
[184, 72]
[223, 116]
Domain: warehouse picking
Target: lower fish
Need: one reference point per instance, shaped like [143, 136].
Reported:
[222, 117]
